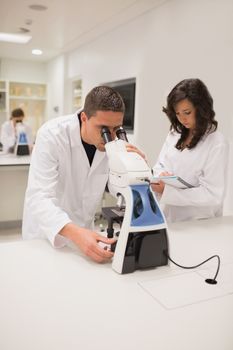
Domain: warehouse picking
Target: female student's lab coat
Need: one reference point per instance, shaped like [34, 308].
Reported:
[62, 187]
[204, 167]
[8, 136]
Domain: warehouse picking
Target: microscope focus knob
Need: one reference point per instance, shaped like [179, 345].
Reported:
[113, 246]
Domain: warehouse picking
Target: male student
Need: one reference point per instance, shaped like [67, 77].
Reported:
[69, 172]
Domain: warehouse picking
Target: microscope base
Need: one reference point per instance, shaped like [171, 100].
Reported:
[145, 250]
[22, 150]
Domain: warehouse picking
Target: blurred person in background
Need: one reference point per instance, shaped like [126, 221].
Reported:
[9, 134]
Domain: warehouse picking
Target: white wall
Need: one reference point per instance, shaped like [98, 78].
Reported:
[177, 40]
[24, 71]
[21, 71]
[52, 73]
[180, 39]
[56, 75]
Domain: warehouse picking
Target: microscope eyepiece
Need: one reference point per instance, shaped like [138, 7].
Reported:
[121, 134]
[106, 135]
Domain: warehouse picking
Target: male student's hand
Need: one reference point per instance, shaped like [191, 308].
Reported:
[87, 240]
[132, 148]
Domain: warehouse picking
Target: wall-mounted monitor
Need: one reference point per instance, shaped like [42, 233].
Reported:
[127, 89]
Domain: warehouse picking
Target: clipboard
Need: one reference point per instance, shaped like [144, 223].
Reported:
[172, 180]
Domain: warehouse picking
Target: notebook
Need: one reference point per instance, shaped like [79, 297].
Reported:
[172, 180]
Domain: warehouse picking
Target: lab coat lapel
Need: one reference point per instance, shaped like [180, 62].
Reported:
[98, 159]
[77, 142]
[75, 138]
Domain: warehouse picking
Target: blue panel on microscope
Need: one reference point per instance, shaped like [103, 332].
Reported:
[146, 211]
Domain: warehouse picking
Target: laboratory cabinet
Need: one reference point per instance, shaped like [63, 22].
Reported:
[13, 183]
[3, 102]
[31, 97]
[76, 94]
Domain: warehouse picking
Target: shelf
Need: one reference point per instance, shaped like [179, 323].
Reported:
[76, 94]
[2, 101]
[27, 89]
[31, 97]
[2, 85]
[27, 98]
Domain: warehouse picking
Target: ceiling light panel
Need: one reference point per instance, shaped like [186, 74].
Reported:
[15, 38]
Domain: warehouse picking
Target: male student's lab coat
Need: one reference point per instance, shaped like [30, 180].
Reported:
[62, 187]
[8, 136]
[204, 167]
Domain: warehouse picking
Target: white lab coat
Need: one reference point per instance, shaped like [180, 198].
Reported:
[8, 136]
[62, 187]
[204, 167]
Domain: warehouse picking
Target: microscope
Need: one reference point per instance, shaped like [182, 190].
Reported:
[22, 147]
[142, 241]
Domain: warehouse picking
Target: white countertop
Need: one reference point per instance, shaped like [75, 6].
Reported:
[12, 159]
[58, 299]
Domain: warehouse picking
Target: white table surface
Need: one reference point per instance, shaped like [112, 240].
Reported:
[58, 299]
[12, 159]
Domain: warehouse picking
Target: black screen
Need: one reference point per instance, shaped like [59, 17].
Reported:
[126, 89]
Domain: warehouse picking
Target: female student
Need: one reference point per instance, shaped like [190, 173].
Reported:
[195, 151]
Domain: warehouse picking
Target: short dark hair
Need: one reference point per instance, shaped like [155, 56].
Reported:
[16, 113]
[197, 93]
[103, 98]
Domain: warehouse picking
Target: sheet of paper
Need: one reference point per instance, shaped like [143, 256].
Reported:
[185, 289]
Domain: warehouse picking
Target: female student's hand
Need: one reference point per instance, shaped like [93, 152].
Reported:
[159, 187]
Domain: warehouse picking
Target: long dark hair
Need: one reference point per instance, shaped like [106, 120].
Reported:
[197, 93]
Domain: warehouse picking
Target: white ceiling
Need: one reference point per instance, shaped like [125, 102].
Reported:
[65, 25]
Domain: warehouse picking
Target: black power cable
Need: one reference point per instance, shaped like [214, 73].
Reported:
[208, 280]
